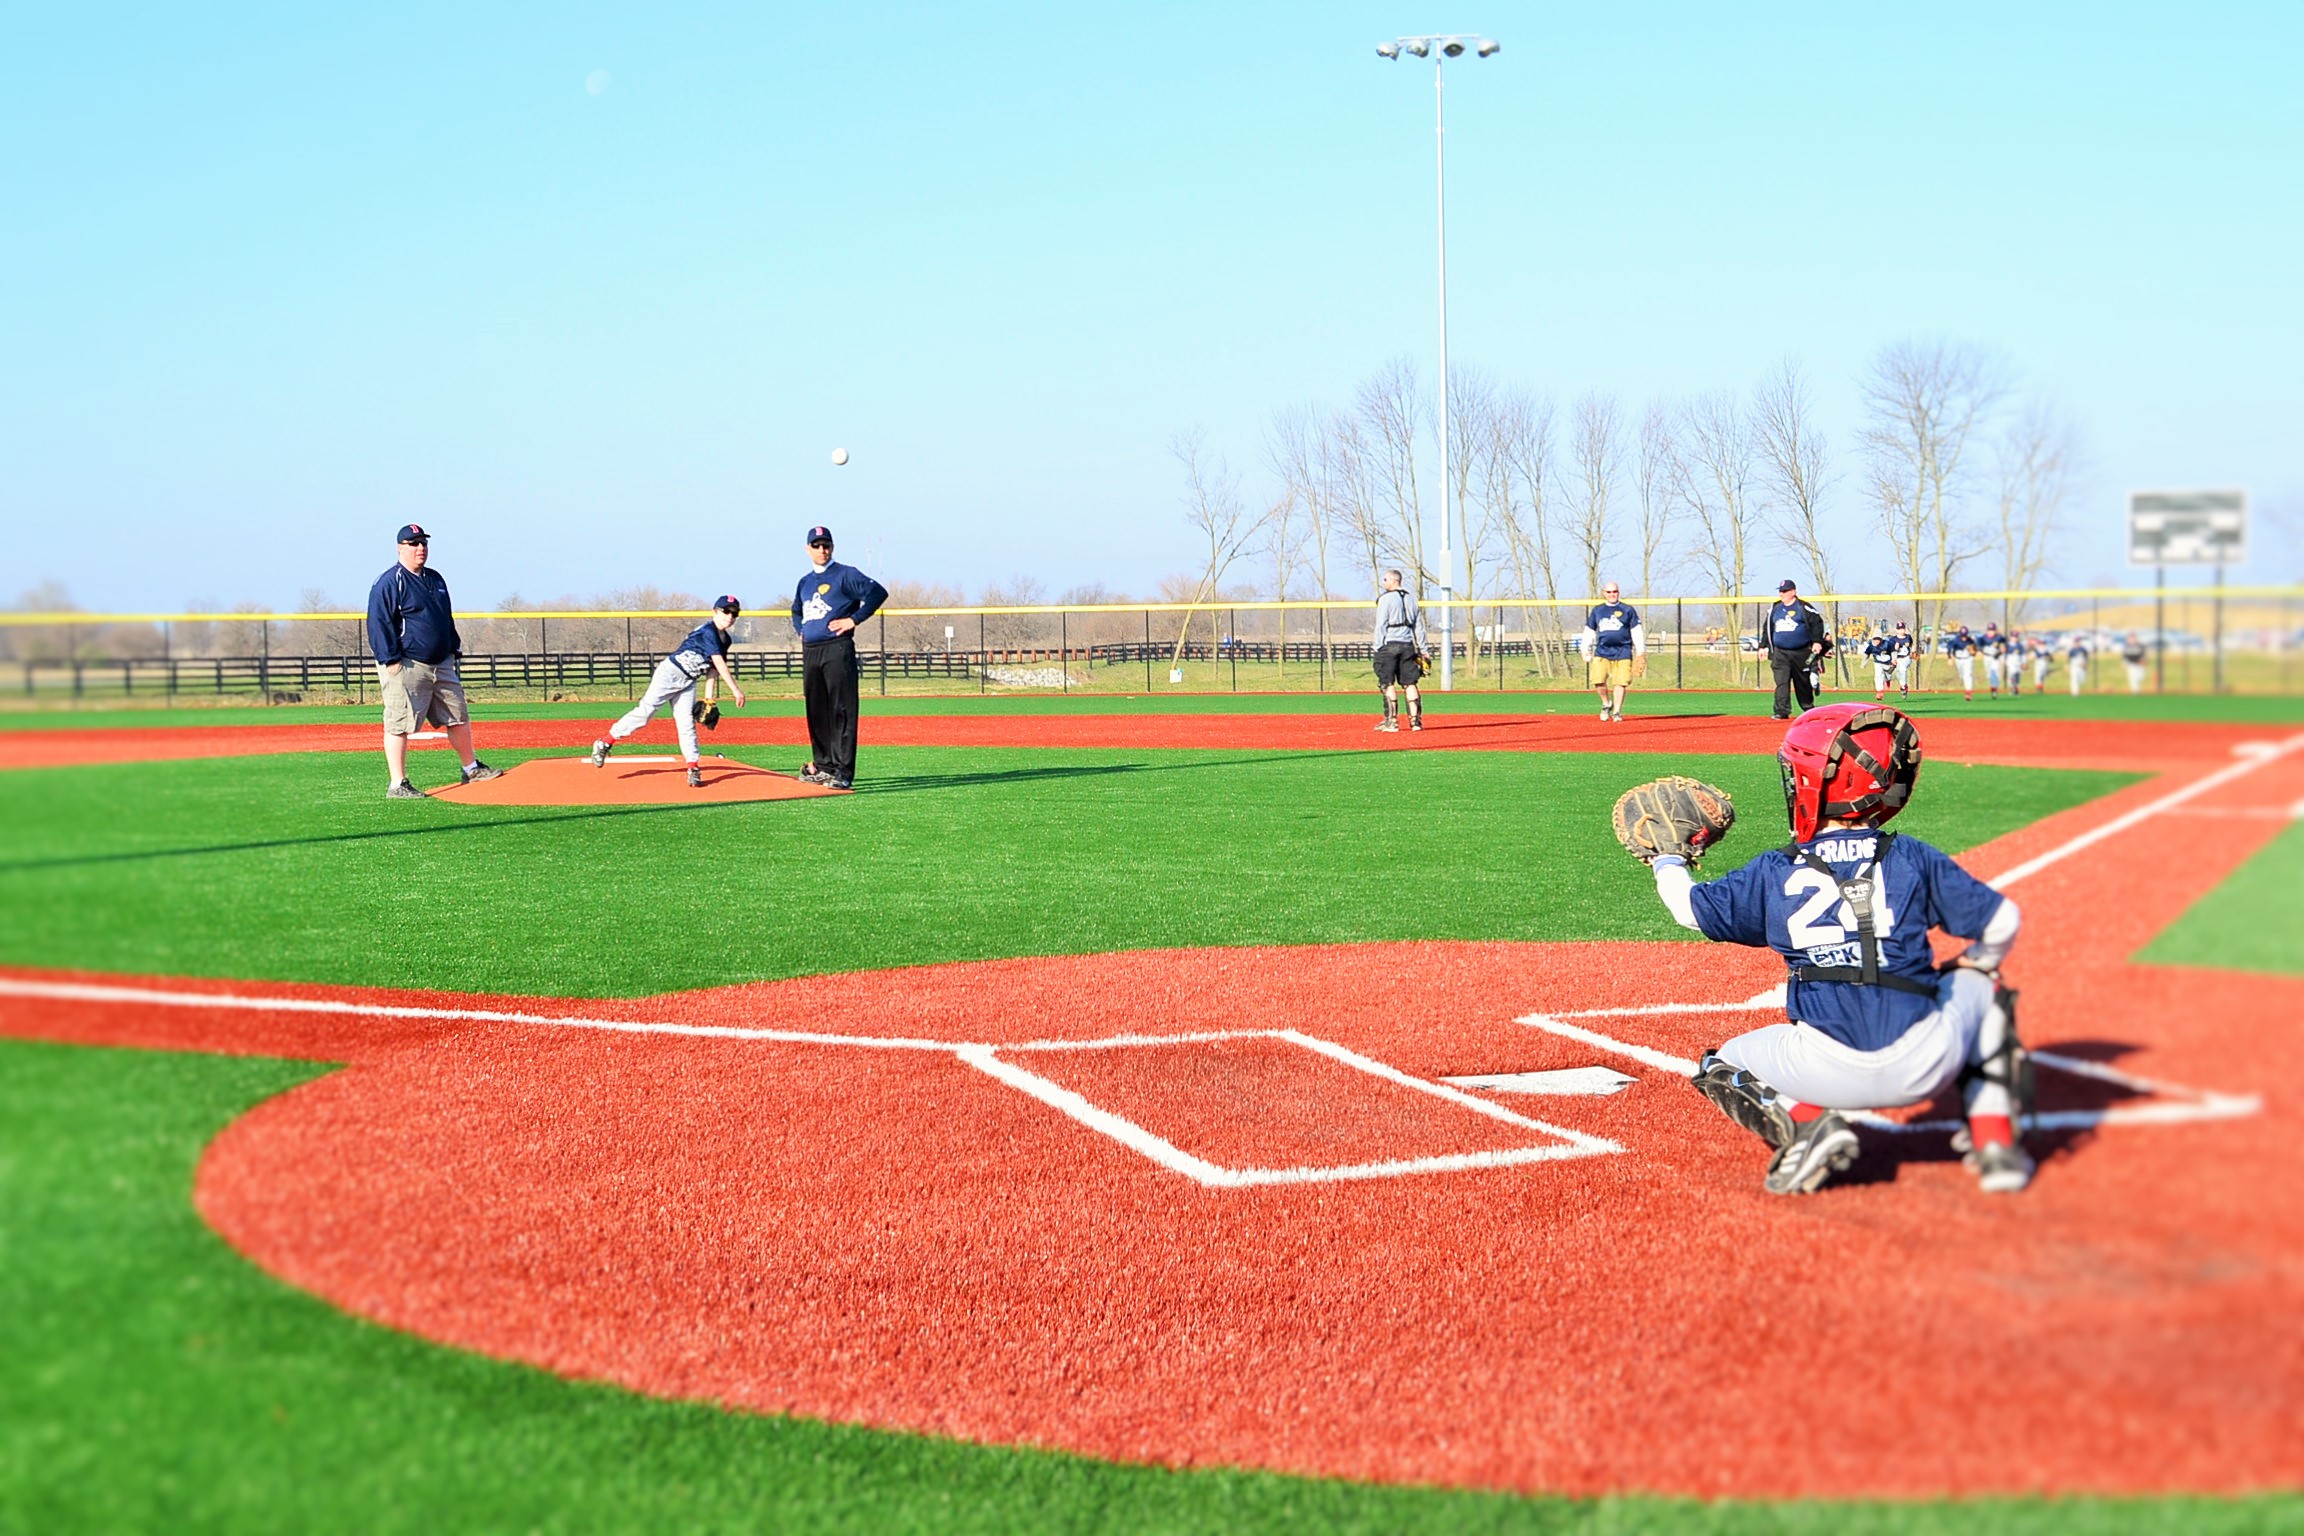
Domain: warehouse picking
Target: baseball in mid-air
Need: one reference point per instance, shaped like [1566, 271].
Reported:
[839, 455]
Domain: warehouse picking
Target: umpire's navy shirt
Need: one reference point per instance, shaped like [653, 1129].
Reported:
[409, 618]
[835, 592]
[1795, 628]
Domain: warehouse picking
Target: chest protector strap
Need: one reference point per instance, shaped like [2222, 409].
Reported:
[1856, 890]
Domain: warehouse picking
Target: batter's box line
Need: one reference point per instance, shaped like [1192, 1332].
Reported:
[2178, 1104]
[1567, 1144]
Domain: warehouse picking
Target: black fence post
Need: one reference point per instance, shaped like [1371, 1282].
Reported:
[264, 660]
[1064, 647]
[1147, 650]
[1679, 644]
[883, 655]
[1232, 623]
[983, 659]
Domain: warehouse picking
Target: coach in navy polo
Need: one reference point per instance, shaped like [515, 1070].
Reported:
[1796, 634]
[827, 605]
[412, 630]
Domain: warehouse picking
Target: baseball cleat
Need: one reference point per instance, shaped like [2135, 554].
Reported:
[812, 775]
[600, 751]
[1819, 1149]
[840, 783]
[403, 791]
[1744, 1099]
[2001, 1168]
[480, 772]
[1415, 722]
[695, 777]
[1388, 725]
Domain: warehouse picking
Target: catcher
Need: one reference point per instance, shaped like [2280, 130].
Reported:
[1399, 653]
[702, 654]
[1873, 1023]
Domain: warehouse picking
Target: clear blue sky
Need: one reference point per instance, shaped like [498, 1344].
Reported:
[594, 291]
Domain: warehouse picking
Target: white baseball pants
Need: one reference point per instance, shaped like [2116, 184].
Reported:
[1804, 1063]
[2077, 670]
[667, 685]
[2135, 676]
[1967, 666]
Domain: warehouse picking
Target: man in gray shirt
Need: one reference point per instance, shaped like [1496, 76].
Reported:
[1399, 637]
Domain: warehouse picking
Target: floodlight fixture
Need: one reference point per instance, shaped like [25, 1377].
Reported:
[1489, 47]
[1421, 47]
[1454, 47]
[1388, 50]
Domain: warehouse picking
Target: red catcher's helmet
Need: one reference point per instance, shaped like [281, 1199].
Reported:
[1848, 762]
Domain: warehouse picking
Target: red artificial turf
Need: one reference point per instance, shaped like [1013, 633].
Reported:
[2031, 743]
[891, 1236]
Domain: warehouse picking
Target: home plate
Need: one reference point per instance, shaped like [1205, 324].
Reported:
[1576, 1082]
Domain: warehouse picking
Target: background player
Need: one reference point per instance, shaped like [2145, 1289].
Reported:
[1880, 650]
[1994, 647]
[1902, 641]
[2043, 657]
[2132, 654]
[2076, 663]
[703, 651]
[1399, 639]
[1871, 1023]
[1961, 647]
[1615, 647]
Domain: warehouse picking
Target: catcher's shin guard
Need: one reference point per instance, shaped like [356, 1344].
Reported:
[1744, 1099]
[2010, 1065]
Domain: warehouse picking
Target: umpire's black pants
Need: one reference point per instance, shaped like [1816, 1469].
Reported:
[828, 683]
[1792, 676]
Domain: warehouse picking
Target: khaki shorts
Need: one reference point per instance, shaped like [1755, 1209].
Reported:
[421, 693]
[1609, 671]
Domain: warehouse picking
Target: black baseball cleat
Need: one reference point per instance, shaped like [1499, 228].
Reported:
[1818, 1150]
[695, 777]
[841, 783]
[480, 771]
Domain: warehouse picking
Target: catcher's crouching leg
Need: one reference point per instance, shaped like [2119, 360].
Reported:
[1745, 1099]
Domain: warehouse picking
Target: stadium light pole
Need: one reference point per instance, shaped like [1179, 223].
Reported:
[1440, 50]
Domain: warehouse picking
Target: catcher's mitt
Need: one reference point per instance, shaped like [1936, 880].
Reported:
[1673, 815]
[707, 715]
[1423, 663]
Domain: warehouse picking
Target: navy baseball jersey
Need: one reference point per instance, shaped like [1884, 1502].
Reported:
[1611, 626]
[1794, 628]
[1994, 645]
[410, 618]
[835, 592]
[2079, 650]
[693, 655]
[1880, 648]
[1900, 646]
[1780, 902]
[1960, 643]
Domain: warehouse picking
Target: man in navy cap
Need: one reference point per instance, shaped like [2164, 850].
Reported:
[1796, 640]
[412, 630]
[830, 601]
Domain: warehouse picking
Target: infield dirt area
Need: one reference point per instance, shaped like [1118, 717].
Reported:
[1227, 1206]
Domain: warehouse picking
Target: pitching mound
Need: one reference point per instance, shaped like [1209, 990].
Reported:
[641, 780]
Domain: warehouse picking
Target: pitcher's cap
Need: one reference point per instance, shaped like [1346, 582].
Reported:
[819, 535]
[1787, 586]
[414, 533]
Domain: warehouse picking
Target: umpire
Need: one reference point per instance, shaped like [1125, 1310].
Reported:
[1399, 638]
[1796, 638]
[831, 600]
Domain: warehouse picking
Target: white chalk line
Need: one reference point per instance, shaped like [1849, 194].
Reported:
[2259, 755]
[981, 1055]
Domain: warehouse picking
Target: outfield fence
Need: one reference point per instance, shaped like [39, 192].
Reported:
[2233, 639]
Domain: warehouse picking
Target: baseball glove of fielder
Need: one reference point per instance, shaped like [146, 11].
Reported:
[1673, 815]
[707, 715]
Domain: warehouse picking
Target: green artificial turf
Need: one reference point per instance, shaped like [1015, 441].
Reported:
[155, 1381]
[295, 868]
[2254, 921]
[2243, 709]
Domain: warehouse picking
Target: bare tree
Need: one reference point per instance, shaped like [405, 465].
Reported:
[1481, 495]
[1923, 403]
[1525, 450]
[1655, 477]
[1213, 507]
[1598, 449]
[2038, 455]
[1391, 416]
[1715, 483]
[1796, 469]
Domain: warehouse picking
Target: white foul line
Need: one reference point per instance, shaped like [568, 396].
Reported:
[2122, 823]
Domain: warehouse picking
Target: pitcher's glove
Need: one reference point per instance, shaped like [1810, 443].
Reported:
[707, 715]
[1674, 815]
